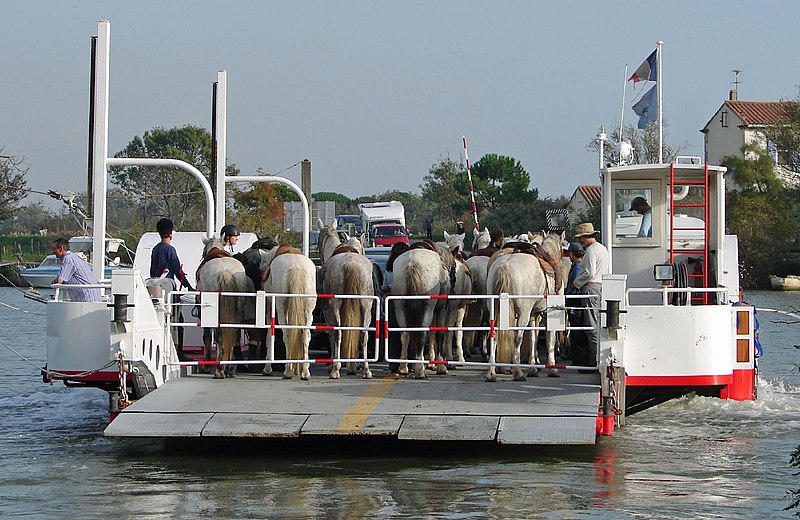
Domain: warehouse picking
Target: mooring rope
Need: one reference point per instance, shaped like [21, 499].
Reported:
[55, 373]
[22, 310]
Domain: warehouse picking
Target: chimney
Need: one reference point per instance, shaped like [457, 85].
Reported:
[734, 95]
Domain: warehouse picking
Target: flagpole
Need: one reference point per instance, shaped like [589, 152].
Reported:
[471, 190]
[659, 79]
[622, 111]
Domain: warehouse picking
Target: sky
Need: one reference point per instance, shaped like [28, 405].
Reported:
[376, 93]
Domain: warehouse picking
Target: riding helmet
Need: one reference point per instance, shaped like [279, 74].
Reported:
[229, 230]
[164, 227]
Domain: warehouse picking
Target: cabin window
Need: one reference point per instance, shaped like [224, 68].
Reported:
[633, 222]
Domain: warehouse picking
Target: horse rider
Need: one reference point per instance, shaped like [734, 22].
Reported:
[228, 236]
[496, 237]
[164, 257]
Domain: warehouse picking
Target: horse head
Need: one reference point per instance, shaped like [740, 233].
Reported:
[454, 241]
[210, 243]
[328, 239]
[480, 239]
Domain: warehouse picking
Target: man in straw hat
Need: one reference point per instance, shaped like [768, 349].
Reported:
[594, 265]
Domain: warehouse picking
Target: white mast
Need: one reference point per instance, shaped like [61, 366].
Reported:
[100, 138]
[659, 79]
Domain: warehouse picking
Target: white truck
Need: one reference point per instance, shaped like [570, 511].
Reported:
[385, 215]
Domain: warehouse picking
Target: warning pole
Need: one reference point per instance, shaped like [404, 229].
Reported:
[471, 190]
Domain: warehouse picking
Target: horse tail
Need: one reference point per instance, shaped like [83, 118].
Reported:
[295, 314]
[415, 309]
[350, 314]
[229, 305]
[503, 283]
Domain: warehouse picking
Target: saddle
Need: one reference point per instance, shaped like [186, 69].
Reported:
[344, 248]
[211, 255]
[424, 244]
[487, 251]
[282, 250]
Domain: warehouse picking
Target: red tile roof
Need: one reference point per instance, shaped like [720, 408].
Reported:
[756, 113]
[591, 193]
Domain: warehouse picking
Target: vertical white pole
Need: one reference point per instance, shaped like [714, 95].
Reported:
[660, 80]
[221, 133]
[622, 109]
[100, 139]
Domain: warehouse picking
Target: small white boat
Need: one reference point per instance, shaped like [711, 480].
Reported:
[788, 283]
[43, 275]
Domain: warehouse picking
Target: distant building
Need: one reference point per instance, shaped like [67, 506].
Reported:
[737, 123]
[584, 198]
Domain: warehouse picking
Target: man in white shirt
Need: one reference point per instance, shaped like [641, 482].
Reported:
[594, 265]
[640, 206]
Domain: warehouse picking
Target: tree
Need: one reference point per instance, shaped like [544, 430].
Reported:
[344, 204]
[501, 180]
[170, 192]
[445, 193]
[762, 214]
[785, 136]
[12, 182]
[644, 145]
[259, 210]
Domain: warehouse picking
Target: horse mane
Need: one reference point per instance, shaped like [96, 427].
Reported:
[344, 248]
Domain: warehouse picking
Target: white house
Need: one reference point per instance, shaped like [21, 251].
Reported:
[742, 122]
[583, 199]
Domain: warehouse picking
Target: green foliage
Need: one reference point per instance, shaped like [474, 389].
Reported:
[794, 494]
[158, 192]
[501, 180]
[12, 184]
[762, 214]
[785, 136]
[344, 204]
[446, 193]
[259, 210]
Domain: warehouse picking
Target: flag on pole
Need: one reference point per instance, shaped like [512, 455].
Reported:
[646, 71]
[646, 108]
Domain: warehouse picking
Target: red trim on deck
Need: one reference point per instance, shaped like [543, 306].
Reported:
[97, 376]
[700, 380]
[742, 387]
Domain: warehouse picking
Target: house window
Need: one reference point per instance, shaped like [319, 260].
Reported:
[724, 119]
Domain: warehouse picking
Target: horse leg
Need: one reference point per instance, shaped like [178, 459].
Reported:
[305, 373]
[366, 317]
[419, 368]
[206, 350]
[335, 337]
[459, 334]
[270, 353]
[403, 368]
[517, 371]
[228, 343]
[551, 354]
[532, 342]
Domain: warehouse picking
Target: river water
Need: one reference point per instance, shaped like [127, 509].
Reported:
[690, 458]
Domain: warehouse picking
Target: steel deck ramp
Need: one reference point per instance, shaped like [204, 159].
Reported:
[459, 406]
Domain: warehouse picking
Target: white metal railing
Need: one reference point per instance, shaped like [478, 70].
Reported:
[665, 292]
[555, 311]
[209, 318]
[105, 290]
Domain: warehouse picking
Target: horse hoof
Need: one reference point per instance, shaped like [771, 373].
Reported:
[218, 375]
[520, 378]
[368, 374]
[334, 375]
[305, 377]
[491, 379]
[287, 376]
[266, 372]
[553, 373]
[441, 370]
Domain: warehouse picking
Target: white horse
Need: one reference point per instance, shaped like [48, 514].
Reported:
[345, 270]
[524, 274]
[455, 241]
[477, 312]
[481, 240]
[225, 274]
[417, 272]
[291, 272]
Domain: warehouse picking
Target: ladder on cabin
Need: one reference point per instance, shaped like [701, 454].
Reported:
[700, 272]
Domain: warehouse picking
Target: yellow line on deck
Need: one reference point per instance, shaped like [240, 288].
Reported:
[357, 415]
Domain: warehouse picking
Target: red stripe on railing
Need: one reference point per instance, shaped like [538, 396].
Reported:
[203, 362]
[438, 296]
[324, 327]
[386, 328]
[438, 362]
[378, 328]
[326, 296]
[322, 360]
[439, 329]
[272, 326]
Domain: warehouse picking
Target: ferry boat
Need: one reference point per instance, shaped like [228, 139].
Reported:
[671, 324]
